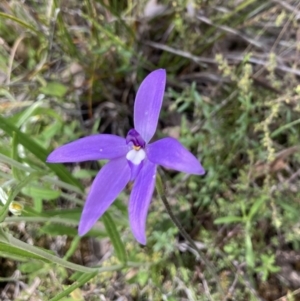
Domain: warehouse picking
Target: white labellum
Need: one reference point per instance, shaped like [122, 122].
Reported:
[136, 156]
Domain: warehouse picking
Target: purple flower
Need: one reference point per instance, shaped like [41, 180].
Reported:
[130, 159]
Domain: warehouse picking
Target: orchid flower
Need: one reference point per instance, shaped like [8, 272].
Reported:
[130, 159]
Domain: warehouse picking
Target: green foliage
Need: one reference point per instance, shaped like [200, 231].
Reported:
[71, 68]
[54, 89]
[163, 241]
[267, 266]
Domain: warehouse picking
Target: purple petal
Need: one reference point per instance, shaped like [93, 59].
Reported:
[170, 153]
[148, 103]
[109, 182]
[95, 147]
[140, 199]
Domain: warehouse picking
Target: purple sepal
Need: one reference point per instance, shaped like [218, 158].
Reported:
[170, 153]
[148, 103]
[140, 199]
[95, 147]
[110, 181]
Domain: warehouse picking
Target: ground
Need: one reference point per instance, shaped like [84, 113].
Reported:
[70, 68]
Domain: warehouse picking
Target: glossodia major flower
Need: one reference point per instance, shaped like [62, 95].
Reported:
[130, 159]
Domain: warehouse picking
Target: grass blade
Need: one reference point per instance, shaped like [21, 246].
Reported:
[81, 281]
[38, 151]
[22, 23]
[115, 237]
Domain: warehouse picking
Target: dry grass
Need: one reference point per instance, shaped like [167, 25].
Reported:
[232, 98]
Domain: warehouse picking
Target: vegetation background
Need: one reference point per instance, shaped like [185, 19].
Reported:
[71, 68]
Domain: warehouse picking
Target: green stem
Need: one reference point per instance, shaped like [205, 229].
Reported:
[161, 192]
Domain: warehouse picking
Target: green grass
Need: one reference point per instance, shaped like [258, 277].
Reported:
[72, 68]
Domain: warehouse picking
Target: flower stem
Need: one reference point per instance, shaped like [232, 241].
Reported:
[161, 192]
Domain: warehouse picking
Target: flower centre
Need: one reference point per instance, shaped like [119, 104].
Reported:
[137, 154]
